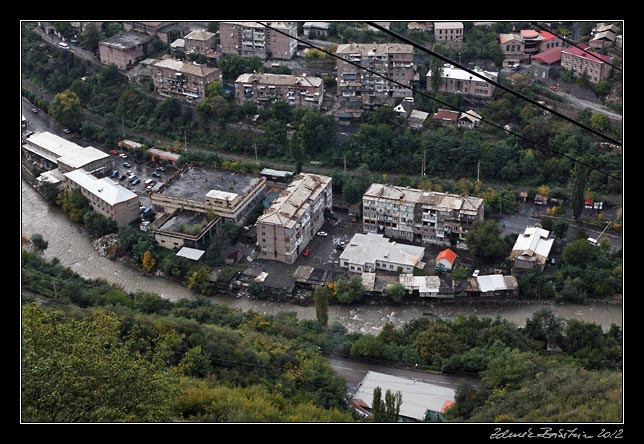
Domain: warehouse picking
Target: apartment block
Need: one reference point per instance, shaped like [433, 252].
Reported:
[124, 50]
[294, 217]
[183, 80]
[253, 39]
[199, 42]
[594, 64]
[418, 216]
[448, 33]
[458, 81]
[359, 89]
[263, 88]
[105, 196]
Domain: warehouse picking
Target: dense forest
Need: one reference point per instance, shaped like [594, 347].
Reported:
[92, 352]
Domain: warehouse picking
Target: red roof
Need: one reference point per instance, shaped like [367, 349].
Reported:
[444, 114]
[529, 34]
[588, 201]
[446, 254]
[594, 56]
[446, 405]
[547, 35]
[549, 56]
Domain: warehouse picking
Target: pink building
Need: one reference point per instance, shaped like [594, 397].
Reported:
[594, 64]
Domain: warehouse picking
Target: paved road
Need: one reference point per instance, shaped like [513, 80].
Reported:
[582, 104]
[355, 371]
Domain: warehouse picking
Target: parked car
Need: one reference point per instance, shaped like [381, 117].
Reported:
[554, 87]
[66, 130]
[115, 174]
[161, 169]
[136, 181]
[123, 155]
[476, 273]
[306, 252]
[322, 233]
[340, 246]
[113, 152]
[155, 174]
[126, 164]
[34, 110]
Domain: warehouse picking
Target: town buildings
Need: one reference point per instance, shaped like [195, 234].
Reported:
[458, 81]
[264, 88]
[425, 217]
[183, 80]
[594, 64]
[165, 31]
[124, 50]
[294, 217]
[521, 46]
[370, 252]
[531, 249]
[253, 39]
[105, 196]
[360, 90]
[449, 33]
[50, 151]
[199, 42]
[546, 63]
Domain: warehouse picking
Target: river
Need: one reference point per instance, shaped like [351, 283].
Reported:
[70, 244]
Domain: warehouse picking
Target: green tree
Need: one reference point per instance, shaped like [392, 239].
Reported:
[198, 280]
[387, 410]
[578, 253]
[436, 72]
[560, 228]
[436, 342]
[460, 274]
[74, 204]
[321, 295]
[349, 291]
[83, 370]
[544, 326]
[38, 243]
[484, 241]
[98, 225]
[90, 37]
[65, 108]
[599, 122]
[395, 292]
[213, 255]
[580, 178]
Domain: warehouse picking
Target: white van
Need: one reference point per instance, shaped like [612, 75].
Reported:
[593, 242]
[148, 182]
[63, 45]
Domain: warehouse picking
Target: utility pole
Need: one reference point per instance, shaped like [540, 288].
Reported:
[123, 126]
[255, 144]
[478, 171]
[185, 141]
[345, 162]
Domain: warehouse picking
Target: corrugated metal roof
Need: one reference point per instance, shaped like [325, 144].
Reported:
[190, 253]
[105, 189]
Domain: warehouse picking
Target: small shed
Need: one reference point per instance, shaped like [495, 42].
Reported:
[445, 260]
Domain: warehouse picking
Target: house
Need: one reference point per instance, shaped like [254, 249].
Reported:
[545, 63]
[420, 400]
[469, 119]
[593, 64]
[445, 260]
[424, 286]
[512, 48]
[447, 117]
[540, 199]
[315, 30]
[199, 42]
[370, 252]
[458, 81]
[124, 50]
[531, 249]
[416, 119]
[421, 26]
[404, 108]
[449, 33]
[165, 31]
[493, 285]
[249, 39]
[603, 36]
[265, 88]
[183, 80]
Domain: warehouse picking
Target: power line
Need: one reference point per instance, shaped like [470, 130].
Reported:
[594, 54]
[497, 84]
[423, 93]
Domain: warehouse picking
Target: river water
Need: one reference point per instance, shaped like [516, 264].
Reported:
[70, 244]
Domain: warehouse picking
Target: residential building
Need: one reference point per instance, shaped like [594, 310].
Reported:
[264, 88]
[179, 228]
[531, 249]
[545, 63]
[446, 117]
[227, 194]
[420, 400]
[404, 108]
[183, 80]
[595, 65]
[445, 260]
[199, 42]
[50, 151]
[165, 31]
[416, 119]
[513, 49]
[316, 30]
[419, 216]
[253, 39]
[458, 81]
[124, 50]
[360, 90]
[105, 196]
[469, 119]
[448, 33]
[548, 41]
[531, 41]
[424, 286]
[294, 217]
[421, 26]
[370, 252]
[604, 36]
[162, 155]
[493, 285]
[276, 176]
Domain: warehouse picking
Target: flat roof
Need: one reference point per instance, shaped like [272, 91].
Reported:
[447, 25]
[276, 173]
[445, 201]
[186, 68]
[451, 72]
[417, 396]
[105, 189]
[64, 151]
[282, 25]
[190, 253]
[320, 25]
[496, 282]
[279, 79]
[195, 182]
[181, 217]
[374, 48]
[126, 40]
[372, 247]
[167, 154]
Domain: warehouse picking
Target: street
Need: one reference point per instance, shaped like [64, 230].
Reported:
[582, 104]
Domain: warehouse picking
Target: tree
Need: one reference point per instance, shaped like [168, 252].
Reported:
[599, 122]
[546, 327]
[65, 108]
[90, 37]
[89, 370]
[321, 295]
[580, 178]
[74, 204]
[436, 342]
[484, 241]
[560, 228]
[199, 280]
[98, 225]
[395, 292]
[436, 72]
[148, 261]
[460, 273]
[579, 253]
[387, 410]
[38, 243]
[349, 291]
[213, 255]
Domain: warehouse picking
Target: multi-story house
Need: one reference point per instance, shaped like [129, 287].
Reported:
[545, 63]
[294, 217]
[425, 217]
[199, 42]
[513, 48]
[264, 88]
[253, 39]
[458, 81]
[521, 46]
[186, 81]
[359, 89]
[449, 33]
[594, 64]
[105, 196]
[125, 49]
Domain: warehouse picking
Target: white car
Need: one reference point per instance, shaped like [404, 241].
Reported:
[123, 155]
[476, 273]
[322, 233]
